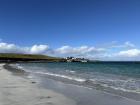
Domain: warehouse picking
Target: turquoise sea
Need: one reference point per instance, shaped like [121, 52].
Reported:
[123, 76]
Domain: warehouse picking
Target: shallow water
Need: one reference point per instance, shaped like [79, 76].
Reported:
[122, 78]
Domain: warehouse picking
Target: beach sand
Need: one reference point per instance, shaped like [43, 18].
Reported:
[15, 90]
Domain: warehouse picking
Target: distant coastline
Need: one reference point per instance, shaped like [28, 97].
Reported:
[12, 57]
[15, 57]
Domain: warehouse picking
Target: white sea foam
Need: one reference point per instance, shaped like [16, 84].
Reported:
[108, 82]
[63, 76]
[70, 71]
[126, 85]
[18, 66]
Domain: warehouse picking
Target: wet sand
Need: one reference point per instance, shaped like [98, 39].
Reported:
[15, 90]
[85, 96]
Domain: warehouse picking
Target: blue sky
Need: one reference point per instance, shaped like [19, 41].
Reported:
[106, 29]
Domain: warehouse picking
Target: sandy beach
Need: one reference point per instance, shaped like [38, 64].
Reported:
[15, 90]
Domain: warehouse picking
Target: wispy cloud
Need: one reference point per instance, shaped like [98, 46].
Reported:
[79, 50]
[0, 40]
[124, 45]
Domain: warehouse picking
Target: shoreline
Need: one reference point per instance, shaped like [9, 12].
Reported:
[71, 94]
[16, 90]
[18, 70]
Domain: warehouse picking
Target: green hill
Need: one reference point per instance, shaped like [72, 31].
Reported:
[27, 57]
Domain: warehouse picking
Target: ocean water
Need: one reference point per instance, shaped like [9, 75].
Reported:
[106, 76]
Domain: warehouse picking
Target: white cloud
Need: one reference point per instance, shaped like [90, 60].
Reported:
[37, 49]
[102, 53]
[12, 48]
[78, 50]
[5, 47]
[129, 53]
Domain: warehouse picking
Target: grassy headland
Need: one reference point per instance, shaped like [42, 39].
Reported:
[12, 57]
